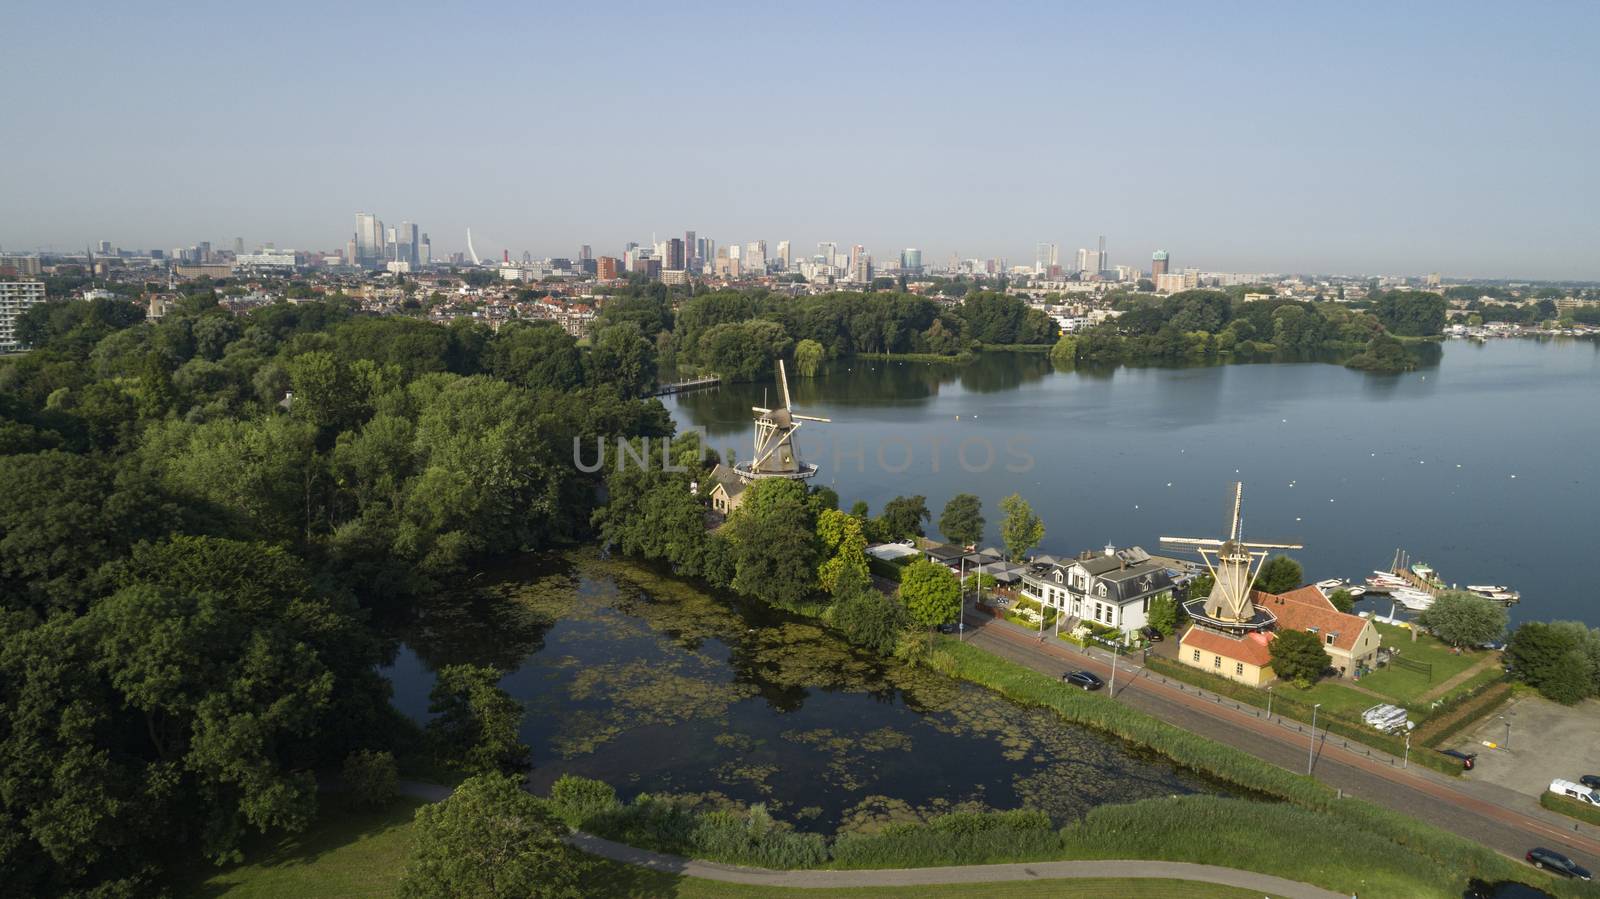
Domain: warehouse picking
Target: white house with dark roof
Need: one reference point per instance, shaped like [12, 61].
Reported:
[1113, 588]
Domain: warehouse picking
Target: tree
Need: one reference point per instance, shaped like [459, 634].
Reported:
[869, 619]
[1165, 614]
[1464, 619]
[1561, 659]
[1384, 354]
[624, 357]
[1412, 313]
[476, 722]
[1201, 586]
[1279, 574]
[1298, 656]
[1064, 355]
[1342, 600]
[773, 538]
[1021, 529]
[903, 516]
[962, 519]
[491, 838]
[372, 777]
[808, 357]
[931, 593]
[844, 550]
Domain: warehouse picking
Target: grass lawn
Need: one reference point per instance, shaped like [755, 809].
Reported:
[1403, 685]
[1334, 696]
[347, 852]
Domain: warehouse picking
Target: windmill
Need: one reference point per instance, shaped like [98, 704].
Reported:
[1233, 564]
[775, 455]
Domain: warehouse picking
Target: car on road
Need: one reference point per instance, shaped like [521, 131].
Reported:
[1468, 759]
[1551, 860]
[1151, 634]
[1085, 679]
[1592, 781]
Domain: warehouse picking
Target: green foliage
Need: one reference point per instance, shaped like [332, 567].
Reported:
[808, 355]
[1298, 656]
[844, 553]
[931, 593]
[492, 839]
[1279, 574]
[962, 522]
[747, 837]
[624, 358]
[476, 723]
[1342, 600]
[1464, 619]
[959, 838]
[578, 800]
[1561, 659]
[1164, 614]
[1064, 355]
[902, 518]
[870, 620]
[744, 351]
[1412, 313]
[1201, 586]
[1021, 529]
[1383, 354]
[373, 777]
[773, 540]
[1570, 807]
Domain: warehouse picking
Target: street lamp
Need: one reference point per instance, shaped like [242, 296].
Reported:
[1407, 762]
[1113, 687]
[1269, 703]
[1506, 745]
[1311, 751]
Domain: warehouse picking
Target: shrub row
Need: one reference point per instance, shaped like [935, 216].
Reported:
[1441, 727]
[962, 838]
[885, 569]
[1572, 808]
[1290, 707]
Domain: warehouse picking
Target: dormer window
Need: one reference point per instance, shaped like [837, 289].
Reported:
[1058, 577]
[1101, 590]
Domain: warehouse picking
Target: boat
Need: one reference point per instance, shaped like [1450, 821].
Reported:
[1487, 589]
[1330, 584]
[1413, 599]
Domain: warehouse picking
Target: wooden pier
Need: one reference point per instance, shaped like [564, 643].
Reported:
[685, 386]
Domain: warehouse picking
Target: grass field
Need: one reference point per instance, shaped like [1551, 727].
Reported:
[1404, 685]
[350, 853]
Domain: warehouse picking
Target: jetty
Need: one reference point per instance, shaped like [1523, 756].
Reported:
[685, 386]
[1427, 580]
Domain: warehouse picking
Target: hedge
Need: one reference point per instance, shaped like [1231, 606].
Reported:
[1570, 807]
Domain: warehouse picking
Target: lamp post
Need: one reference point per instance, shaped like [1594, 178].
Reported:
[1407, 762]
[1311, 751]
[1269, 703]
[1506, 745]
[1113, 687]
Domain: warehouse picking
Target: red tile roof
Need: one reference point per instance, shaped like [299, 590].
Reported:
[1250, 649]
[1307, 608]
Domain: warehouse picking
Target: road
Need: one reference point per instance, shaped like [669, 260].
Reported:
[1482, 812]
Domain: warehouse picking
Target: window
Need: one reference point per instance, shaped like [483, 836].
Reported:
[1238, 668]
[1330, 639]
[1197, 655]
[1216, 661]
[1100, 590]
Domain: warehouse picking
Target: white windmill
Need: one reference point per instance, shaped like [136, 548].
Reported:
[1234, 564]
[775, 455]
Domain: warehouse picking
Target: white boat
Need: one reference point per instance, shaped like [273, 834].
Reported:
[1413, 599]
[1487, 589]
[1330, 584]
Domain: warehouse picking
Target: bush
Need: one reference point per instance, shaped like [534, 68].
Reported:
[373, 777]
[961, 838]
[749, 837]
[577, 800]
[1570, 807]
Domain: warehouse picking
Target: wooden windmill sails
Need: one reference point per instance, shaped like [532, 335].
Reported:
[1233, 564]
[775, 455]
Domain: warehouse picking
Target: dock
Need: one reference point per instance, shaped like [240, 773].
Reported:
[685, 386]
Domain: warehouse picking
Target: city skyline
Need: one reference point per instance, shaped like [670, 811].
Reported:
[1250, 138]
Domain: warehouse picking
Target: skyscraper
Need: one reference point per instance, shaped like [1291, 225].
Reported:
[860, 265]
[826, 251]
[405, 245]
[1044, 256]
[691, 259]
[1158, 264]
[585, 252]
[911, 260]
[754, 259]
[1101, 256]
[784, 261]
[674, 260]
[426, 251]
[368, 239]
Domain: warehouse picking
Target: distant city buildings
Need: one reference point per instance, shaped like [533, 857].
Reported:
[16, 297]
[1158, 264]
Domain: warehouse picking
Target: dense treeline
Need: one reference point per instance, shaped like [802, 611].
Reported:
[1201, 325]
[739, 334]
[206, 518]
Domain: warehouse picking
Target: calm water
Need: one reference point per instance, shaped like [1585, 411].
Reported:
[654, 686]
[1486, 466]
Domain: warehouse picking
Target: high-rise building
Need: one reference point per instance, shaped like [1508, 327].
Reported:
[425, 252]
[860, 265]
[405, 244]
[1159, 264]
[238, 246]
[1104, 263]
[826, 251]
[1044, 256]
[690, 259]
[369, 239]
[27, 265]
[911, 261]
[585, 252]
[754, 259]
[606, 268]
[784, 261]
[674, 255]
[16, 297]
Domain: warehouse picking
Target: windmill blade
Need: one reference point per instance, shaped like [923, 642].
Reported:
[783, 379]
[1190, 541]
[810, 418]
[761, 410]
[1273, 545]
[1238, 501]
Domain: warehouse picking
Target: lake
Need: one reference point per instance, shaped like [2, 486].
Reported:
[656, 686]
[1486, 466]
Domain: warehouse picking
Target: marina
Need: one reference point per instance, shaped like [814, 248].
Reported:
[1415, 585]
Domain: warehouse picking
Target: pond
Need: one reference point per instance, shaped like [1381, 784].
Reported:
[654, 685]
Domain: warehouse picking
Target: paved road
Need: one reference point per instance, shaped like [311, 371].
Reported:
[1488, 814]
[765, 877]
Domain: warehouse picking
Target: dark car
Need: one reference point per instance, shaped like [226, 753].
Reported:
[1551, 860]
[1151, 634]
[1085, 679]
[1592, 781]
[1468, 759]
[949, 627]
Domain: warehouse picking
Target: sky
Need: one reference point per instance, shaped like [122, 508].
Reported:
[1349, 138]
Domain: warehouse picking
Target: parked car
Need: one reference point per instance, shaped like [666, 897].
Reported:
[1592, 781]
[1085, 679]
[949, 627]
[1551, 860]
[1468, 759]
[1577, 791]
[1151, 634]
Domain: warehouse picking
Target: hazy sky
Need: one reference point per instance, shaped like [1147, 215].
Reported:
[1401, 138]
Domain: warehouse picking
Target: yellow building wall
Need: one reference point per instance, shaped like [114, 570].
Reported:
[1232, 669]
